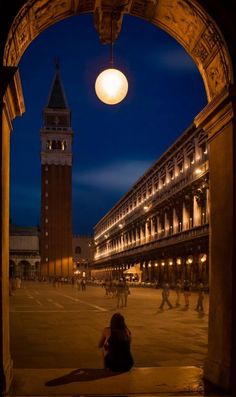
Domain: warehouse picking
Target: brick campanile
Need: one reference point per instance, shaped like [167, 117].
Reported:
[56, 184]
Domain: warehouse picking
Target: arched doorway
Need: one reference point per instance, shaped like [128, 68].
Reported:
[193, 27]
[25, 271]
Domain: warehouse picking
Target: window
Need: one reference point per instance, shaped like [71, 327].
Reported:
[63, 145]
[191, 158]
[49, 145]
[78, 250]
[181, 166]
[171, 173]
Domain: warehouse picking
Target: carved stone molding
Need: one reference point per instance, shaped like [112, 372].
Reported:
[218, 113]
[185, 20]
[13, 96]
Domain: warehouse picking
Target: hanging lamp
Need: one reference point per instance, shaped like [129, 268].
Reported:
[111, 85]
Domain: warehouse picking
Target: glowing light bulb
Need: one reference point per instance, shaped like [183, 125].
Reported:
[111, 86]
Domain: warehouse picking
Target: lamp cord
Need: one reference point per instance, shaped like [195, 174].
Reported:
[111, 46]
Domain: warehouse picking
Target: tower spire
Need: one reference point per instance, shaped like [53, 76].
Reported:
[57, 98]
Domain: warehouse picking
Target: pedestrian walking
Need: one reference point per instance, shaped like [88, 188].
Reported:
[78, 283]
[83, 284]
[187, 292]
[116, 343]
[200, 297]
[165, 296]
[126, 293]
[120, 293]
[178, 288]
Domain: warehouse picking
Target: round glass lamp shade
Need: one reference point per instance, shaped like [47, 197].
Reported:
[111, 86]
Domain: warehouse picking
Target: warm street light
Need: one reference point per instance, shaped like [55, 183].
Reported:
[111, 86]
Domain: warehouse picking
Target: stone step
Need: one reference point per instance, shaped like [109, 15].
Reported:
[89, 382]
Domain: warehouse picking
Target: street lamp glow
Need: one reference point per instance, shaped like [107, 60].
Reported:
[111, 86]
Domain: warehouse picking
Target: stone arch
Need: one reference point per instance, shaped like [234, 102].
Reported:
[185, 20]
[25, 269]
[197, 32]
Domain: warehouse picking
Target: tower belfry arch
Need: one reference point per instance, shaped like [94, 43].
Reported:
[209, 36]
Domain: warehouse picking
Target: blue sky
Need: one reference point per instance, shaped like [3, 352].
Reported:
[113, 145]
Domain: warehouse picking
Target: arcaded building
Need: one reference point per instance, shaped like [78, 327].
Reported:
[161, 225]
[24, 252]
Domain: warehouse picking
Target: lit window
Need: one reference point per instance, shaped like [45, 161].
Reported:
[46, 182]
[46, 233]
[46, 259]
[46, 220]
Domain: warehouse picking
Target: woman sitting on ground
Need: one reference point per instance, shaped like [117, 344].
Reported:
[115, 341]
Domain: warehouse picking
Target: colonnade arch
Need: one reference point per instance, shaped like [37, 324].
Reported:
[189, 23]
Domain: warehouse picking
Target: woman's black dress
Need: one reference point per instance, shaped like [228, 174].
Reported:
[118, 357]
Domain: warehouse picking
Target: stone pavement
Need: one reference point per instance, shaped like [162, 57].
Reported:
[142, 382]
[54, 336]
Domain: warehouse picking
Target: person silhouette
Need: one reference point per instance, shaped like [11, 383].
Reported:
[116, 342]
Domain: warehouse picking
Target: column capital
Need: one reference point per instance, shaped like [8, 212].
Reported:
[218, 113]
[11, 93]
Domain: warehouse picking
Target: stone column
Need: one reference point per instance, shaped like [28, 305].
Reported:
[207, 206]
[185, 217]
[175, 221]
[12, 105]
[167, 224]
[196, 212]
[218, 120]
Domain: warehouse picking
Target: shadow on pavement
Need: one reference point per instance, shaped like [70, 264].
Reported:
[81, 375]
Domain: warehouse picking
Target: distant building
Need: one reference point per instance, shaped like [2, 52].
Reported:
[25, 259]
[24, 252]
[83, 254]
[56, 184]
[161, 225]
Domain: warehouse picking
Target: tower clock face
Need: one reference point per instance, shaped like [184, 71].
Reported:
[57, 120]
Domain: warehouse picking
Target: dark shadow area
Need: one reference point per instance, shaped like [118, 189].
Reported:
[81, 375]
[212, 390]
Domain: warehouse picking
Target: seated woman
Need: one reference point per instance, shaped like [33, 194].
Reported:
[115, 341]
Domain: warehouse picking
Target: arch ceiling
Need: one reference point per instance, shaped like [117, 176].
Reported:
[184, 20]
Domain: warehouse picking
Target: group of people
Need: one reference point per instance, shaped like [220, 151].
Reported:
[119, 289]
[186, 289]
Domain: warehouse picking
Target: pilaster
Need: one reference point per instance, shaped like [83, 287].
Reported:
[218, 120]
[12, 105]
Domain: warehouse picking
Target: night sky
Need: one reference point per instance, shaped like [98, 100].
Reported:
[113, 145]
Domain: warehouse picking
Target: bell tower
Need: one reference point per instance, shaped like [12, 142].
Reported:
[56, 183]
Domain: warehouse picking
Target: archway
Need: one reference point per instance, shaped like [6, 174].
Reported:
[188, 23]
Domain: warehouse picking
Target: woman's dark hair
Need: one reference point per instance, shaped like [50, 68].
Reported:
[117, 322]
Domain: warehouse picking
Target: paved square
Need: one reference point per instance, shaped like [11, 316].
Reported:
[60, 327]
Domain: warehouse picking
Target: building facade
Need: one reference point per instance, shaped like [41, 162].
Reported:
[56, 184]
[24, 252]
[161, 225]
[83, 254]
